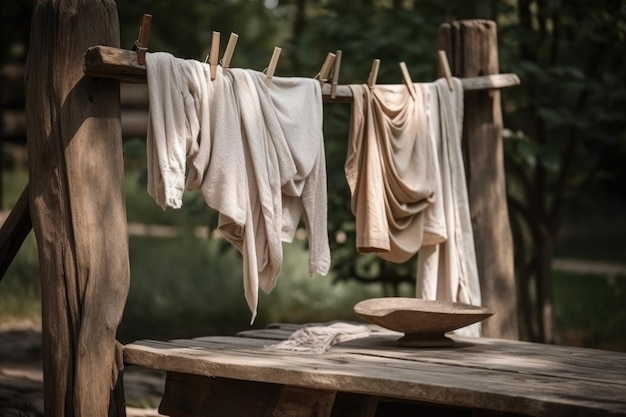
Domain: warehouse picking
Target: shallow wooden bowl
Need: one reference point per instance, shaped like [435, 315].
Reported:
[423, 322]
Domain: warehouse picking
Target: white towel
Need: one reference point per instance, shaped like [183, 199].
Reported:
[448, 270]
[264, 188]
[318, 339]
[168, 131]
[296, 105]
[194, 123]
[218, 166]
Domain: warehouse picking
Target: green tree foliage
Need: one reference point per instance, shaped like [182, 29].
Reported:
[184, 28]
[14, 29]
[565, 123]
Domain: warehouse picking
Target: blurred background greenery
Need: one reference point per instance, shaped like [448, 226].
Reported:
[565, 140]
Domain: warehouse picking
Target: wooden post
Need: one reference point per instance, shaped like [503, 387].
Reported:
[77, 204]
[472, 49]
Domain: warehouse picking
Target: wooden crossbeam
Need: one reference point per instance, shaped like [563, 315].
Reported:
[107, 62]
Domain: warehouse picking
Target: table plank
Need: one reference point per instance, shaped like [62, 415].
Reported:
[496, 354]
[480, 373]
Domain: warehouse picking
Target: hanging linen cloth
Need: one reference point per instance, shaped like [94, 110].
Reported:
[262, 243]
[389, 169]
[195, 126]
[292, 108]
[447, 268]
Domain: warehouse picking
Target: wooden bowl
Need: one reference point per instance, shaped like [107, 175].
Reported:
[423, 322]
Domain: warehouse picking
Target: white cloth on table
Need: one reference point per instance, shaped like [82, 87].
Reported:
[318, 339]
[447, 270]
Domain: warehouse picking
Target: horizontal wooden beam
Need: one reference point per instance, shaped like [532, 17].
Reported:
[107, 62]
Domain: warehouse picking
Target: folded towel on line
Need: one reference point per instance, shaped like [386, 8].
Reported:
[318, 339]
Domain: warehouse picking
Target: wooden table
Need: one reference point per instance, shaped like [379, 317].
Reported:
[236, 376]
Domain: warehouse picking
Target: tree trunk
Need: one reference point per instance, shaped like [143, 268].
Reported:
[77, 204]
[544, 253]
[471, 47]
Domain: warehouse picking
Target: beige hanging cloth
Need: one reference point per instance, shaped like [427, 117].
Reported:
[389, 169]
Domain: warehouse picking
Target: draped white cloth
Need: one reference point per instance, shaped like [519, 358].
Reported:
[448, 270]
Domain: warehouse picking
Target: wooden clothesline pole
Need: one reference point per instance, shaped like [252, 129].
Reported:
[121, 64]
[472, 48]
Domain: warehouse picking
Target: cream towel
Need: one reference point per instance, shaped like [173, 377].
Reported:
[169, 134]
[448, 271]
[295, 105]
[264, 189]
[389, 169]
[194, 123]
[217, 161]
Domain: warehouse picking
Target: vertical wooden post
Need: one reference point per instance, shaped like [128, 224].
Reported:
[472, 49]
[77, 204]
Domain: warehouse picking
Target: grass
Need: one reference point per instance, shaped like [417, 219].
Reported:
[19, 289]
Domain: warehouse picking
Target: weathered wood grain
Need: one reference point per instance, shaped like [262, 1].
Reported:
[472, 48]
[489, 374]
[76, 203]
[120, 64]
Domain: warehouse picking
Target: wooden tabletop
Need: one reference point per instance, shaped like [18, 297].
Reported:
[477, 373]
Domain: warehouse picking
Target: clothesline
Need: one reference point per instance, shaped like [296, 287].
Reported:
[122, 64]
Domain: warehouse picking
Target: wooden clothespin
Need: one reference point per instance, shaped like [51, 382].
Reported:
[445, 68]
[215, 51]
[335, 80]
[407, 79]
[141, 44]
[371, 80]
[273, 62]
[230, 48]
[326, 66]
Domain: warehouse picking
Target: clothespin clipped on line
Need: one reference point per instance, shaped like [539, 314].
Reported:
[273, 62]
[141, 44]
[230, 48]
[335, 77]
[326, 66]
[215, 51]
[407, 79]
[445, 68]
[371, 80]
